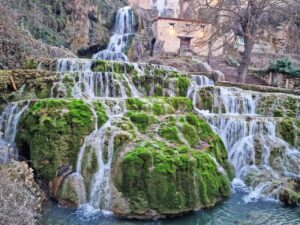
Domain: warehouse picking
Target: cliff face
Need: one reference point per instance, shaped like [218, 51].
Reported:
[51, 28]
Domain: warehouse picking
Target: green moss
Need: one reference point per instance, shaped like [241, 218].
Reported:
[160, 105]
[134, 104]
[182, 104]
[278, 106]
[100, 66]
[158, 90]
[206, 100]
[183, 85]
[119, 67]
[141, 120]
[190, 133]
[171, 180]
[30, 64]
[69, 82]
[289, 130]
[101, 113]
[169, 133]
[159, 72]
[54, 130]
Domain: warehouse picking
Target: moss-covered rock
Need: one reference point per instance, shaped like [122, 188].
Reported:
[141, 120]
[170, 180]
[160, 106]
[290, 194]
[53, 131]
[172, 166]
[72, 191]
[205, 99]
[183, 85]
[278, 105]
[289, 130]
[101, 113]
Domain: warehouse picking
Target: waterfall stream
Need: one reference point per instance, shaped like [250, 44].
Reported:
[123, 30]
[9, 120]
[111, 92]
[249, 139]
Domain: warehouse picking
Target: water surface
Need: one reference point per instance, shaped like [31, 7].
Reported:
[233, 211]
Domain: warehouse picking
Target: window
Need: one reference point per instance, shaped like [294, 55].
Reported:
[172, 26]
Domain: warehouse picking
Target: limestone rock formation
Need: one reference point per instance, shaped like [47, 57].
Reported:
[65, 28]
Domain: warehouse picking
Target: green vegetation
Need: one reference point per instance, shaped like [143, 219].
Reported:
[278, 106]
[116, 67]
[100, 66]
[141, 120]
[53, 131]
[160, 105]
[101, 112]
[289, 130]
[30, 64]
[171, 179]
[284, 66]
[183, 85]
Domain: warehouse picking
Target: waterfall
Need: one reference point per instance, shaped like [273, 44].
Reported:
[249, 139]
[9, 120]
[111, 91]
[124, 29]
[89, 84]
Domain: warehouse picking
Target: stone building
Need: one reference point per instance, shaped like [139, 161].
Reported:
[174, 28]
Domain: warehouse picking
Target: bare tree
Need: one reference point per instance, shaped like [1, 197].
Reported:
[238, 18]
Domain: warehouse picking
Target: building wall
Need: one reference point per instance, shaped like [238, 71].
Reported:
[165, 33]
[145, 4]
[183, 26]
[177, 6]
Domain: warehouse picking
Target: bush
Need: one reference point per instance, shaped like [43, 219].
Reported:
[284, 66]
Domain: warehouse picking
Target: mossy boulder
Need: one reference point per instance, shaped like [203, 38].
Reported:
[170, 180]
[174, 165]
[53, 131]
[289, 130]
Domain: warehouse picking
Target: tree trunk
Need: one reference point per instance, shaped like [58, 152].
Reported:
[209, 54]
[246, 59]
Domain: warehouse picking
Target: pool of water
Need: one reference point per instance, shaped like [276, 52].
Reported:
[233, 211]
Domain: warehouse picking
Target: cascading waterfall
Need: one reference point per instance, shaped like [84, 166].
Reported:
[124, 29]
[198, 82]
[98, 141]
[89, 84]
[249, 138]
[104, 87]
[9, 120]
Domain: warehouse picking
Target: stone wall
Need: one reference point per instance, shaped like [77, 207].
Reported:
[281, 80]
[168, 31]
[166, 8]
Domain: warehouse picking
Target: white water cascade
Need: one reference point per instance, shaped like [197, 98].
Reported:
[250, 139]
[88, 84]
[9, 120]
[104, 87]
[124, 29]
